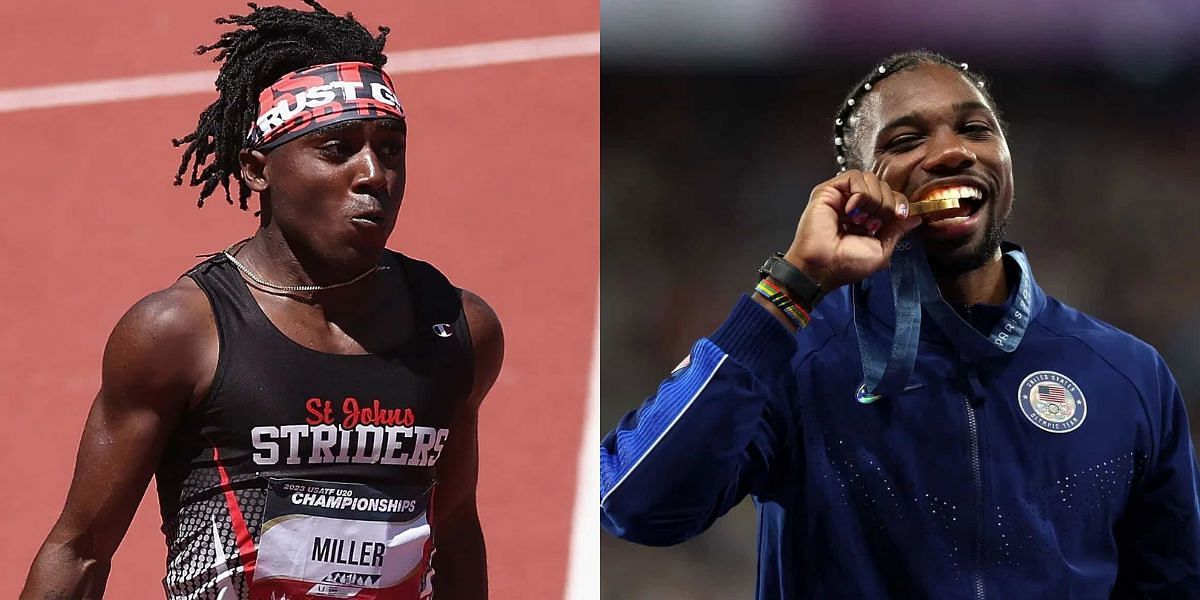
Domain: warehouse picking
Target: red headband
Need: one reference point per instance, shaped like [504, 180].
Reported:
[311, 98]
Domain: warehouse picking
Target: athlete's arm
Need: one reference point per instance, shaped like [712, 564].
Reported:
[710, 435]
[460, 562]
[149, 376]
[718, 428]
[1158, 537]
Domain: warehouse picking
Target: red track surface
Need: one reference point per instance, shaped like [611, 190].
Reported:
[503, 196]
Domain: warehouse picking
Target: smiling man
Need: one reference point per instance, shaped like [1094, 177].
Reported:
[306, 400]
[913, 416]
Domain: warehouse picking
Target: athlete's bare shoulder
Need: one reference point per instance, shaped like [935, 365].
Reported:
[168, 340]
[173, 316]
[487, 341]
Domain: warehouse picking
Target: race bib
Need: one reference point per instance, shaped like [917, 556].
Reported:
[325, 539]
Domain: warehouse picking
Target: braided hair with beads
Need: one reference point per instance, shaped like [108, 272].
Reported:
[268, 43]
[846, 124]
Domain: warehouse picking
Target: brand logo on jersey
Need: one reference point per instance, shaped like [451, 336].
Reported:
[1052, 402]
[443, 330]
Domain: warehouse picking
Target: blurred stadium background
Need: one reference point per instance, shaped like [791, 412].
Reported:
[717, 122]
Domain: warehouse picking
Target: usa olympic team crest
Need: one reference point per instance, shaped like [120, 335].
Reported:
[1052, 402]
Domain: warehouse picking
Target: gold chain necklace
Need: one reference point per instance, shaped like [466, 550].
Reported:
[293, 288]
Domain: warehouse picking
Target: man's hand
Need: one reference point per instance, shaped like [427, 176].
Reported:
[849, 229]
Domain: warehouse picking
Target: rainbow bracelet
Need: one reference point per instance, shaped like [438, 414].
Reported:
[775, 294]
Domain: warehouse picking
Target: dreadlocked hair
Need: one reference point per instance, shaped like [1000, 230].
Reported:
[847, 129]
[268, 43]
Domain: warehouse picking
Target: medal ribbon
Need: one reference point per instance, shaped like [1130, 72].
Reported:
[888, 356]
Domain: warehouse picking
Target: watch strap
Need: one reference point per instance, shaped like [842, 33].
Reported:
[802, 290]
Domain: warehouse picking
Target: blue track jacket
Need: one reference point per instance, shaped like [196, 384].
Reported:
[959, 488]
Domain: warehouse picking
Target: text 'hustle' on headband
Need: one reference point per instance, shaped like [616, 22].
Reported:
[311, 98]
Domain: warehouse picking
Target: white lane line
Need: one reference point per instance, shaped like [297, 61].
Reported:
[406, 61]
[583, 570]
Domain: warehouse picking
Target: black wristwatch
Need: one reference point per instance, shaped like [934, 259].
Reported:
[799, 287]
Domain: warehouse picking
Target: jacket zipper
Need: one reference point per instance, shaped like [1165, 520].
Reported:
[976, 472]
[977, 475]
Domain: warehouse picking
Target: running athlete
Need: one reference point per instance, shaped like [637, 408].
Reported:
[913, 416]
[306, 400]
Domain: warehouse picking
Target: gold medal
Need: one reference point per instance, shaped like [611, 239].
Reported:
[932, 206]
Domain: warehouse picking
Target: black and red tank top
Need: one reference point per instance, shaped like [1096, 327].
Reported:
[304, 474]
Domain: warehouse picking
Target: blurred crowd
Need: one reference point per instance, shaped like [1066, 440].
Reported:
[704, 174]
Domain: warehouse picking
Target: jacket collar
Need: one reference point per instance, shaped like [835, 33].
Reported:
[944, 326]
